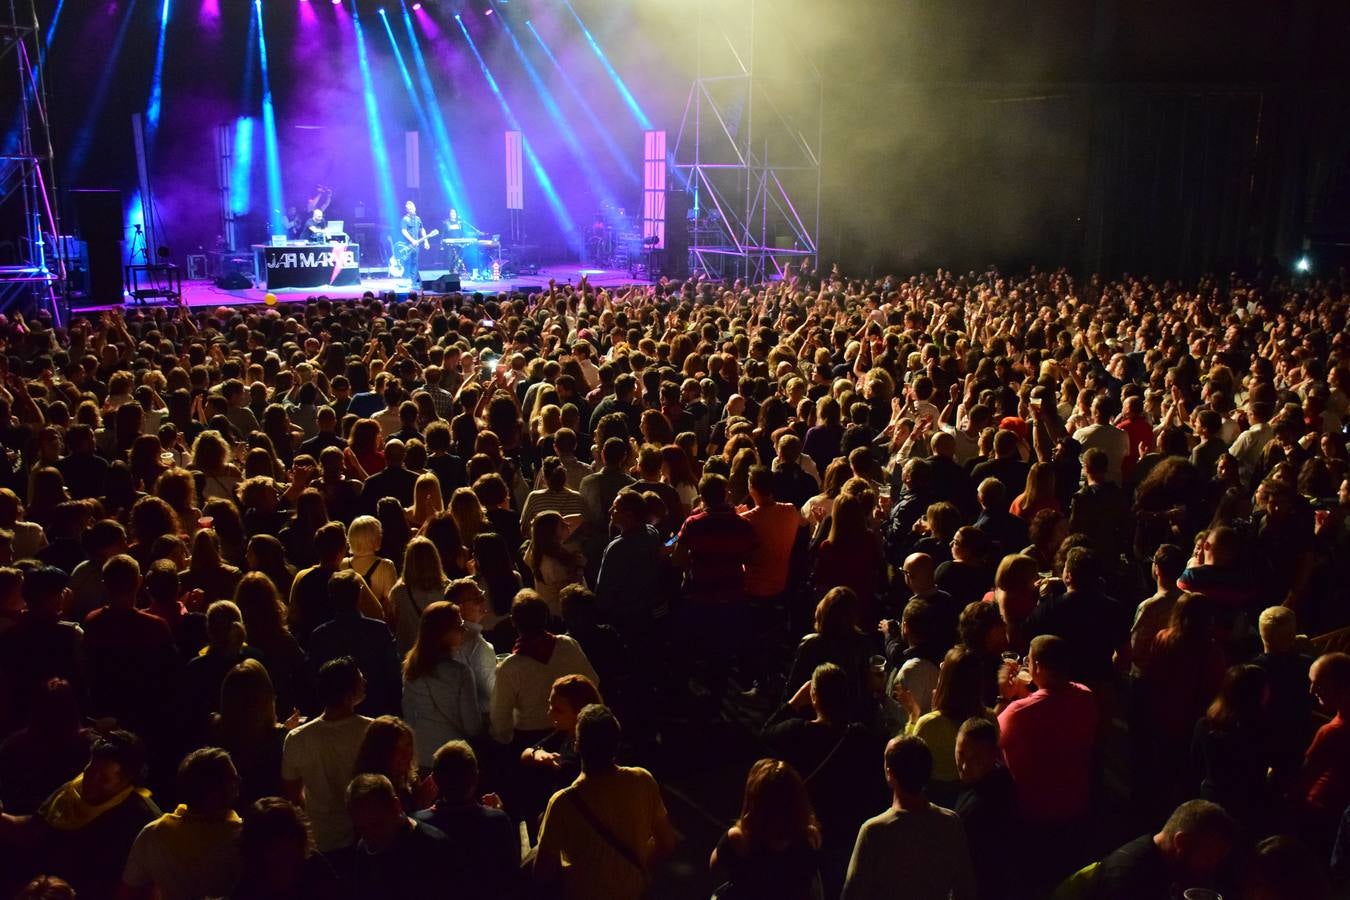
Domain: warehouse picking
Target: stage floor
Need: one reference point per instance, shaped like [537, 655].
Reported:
[205, 293]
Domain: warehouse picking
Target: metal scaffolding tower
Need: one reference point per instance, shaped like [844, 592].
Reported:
[32, 271]
[749, 143]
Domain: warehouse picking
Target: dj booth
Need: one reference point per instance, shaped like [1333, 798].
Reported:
[308, 265]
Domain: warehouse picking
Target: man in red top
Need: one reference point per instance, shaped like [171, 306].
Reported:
[776, 525]
[1134, 422]
[1323, 791]
[712, 547]
[766, 568]
[1048, 738]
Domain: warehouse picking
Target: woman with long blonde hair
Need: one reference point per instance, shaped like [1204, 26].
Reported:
[422, 582]
[468, 513]
[427, 500]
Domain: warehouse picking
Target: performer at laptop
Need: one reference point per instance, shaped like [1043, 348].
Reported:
[316, 229]
[415, 233]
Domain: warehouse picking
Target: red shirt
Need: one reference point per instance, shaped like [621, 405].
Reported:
[1326, 769]
[1047, 741]
[718, 542]
[766, 569]
[1140, 433]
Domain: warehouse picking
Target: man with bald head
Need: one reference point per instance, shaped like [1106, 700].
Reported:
[919, 572]
[951, 482]
[393, 481]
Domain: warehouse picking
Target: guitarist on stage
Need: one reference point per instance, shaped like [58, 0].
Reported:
[415, 233]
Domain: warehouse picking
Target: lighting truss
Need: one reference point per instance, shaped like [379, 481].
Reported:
[750, 142]
[26, 178]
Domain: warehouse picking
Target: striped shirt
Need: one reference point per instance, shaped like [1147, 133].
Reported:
[566, 502]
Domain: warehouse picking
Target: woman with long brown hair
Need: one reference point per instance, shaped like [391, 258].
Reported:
[773, 849]
[439, 698]
[247, 727]
[207, 572]
[389, 748]
[264, 613]
[1039, 493]
[1178, 679]
[1232, 746]
[850, 555]
[553, 565]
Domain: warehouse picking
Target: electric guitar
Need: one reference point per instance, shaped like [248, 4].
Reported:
[402, 250]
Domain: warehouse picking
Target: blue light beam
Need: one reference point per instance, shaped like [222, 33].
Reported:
[440, 135]
[627, 95]
[449, 183]
[157, 79]
[84, 138]
[275, 195]
[545, 183]
[560, 122]
[620, 158]
[384, 178]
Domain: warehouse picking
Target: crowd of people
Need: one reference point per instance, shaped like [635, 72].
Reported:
[384, 597]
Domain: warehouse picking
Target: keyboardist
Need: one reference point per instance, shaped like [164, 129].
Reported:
[452, 227]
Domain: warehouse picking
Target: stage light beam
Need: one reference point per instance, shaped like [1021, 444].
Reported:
[627, 95]
[440, 135]
[545, 183]
[157, 80]
[619, 157]
[84, 137]
[448, 181]
[276, 197]
[384, 179]
[560, 123]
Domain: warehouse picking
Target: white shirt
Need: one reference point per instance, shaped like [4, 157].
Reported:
[185, 856]
[1247, 447]
[1112, 441]
[520, 694]
[322, 754]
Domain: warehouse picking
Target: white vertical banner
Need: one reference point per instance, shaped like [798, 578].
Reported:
[654, 187]
[412, 152]
[515, 175]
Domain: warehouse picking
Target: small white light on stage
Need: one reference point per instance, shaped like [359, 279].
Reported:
[1304, 264]
[416, 7]
[487, 12]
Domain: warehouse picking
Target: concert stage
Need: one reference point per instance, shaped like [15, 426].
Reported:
[204, 293]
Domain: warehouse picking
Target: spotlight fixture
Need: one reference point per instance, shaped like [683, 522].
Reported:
[416, 7]
[487, 12]
[1303, 265]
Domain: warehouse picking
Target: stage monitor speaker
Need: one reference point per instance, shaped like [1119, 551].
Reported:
[676, 262]
[446, 284]
[234, 281]
[98, 215]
